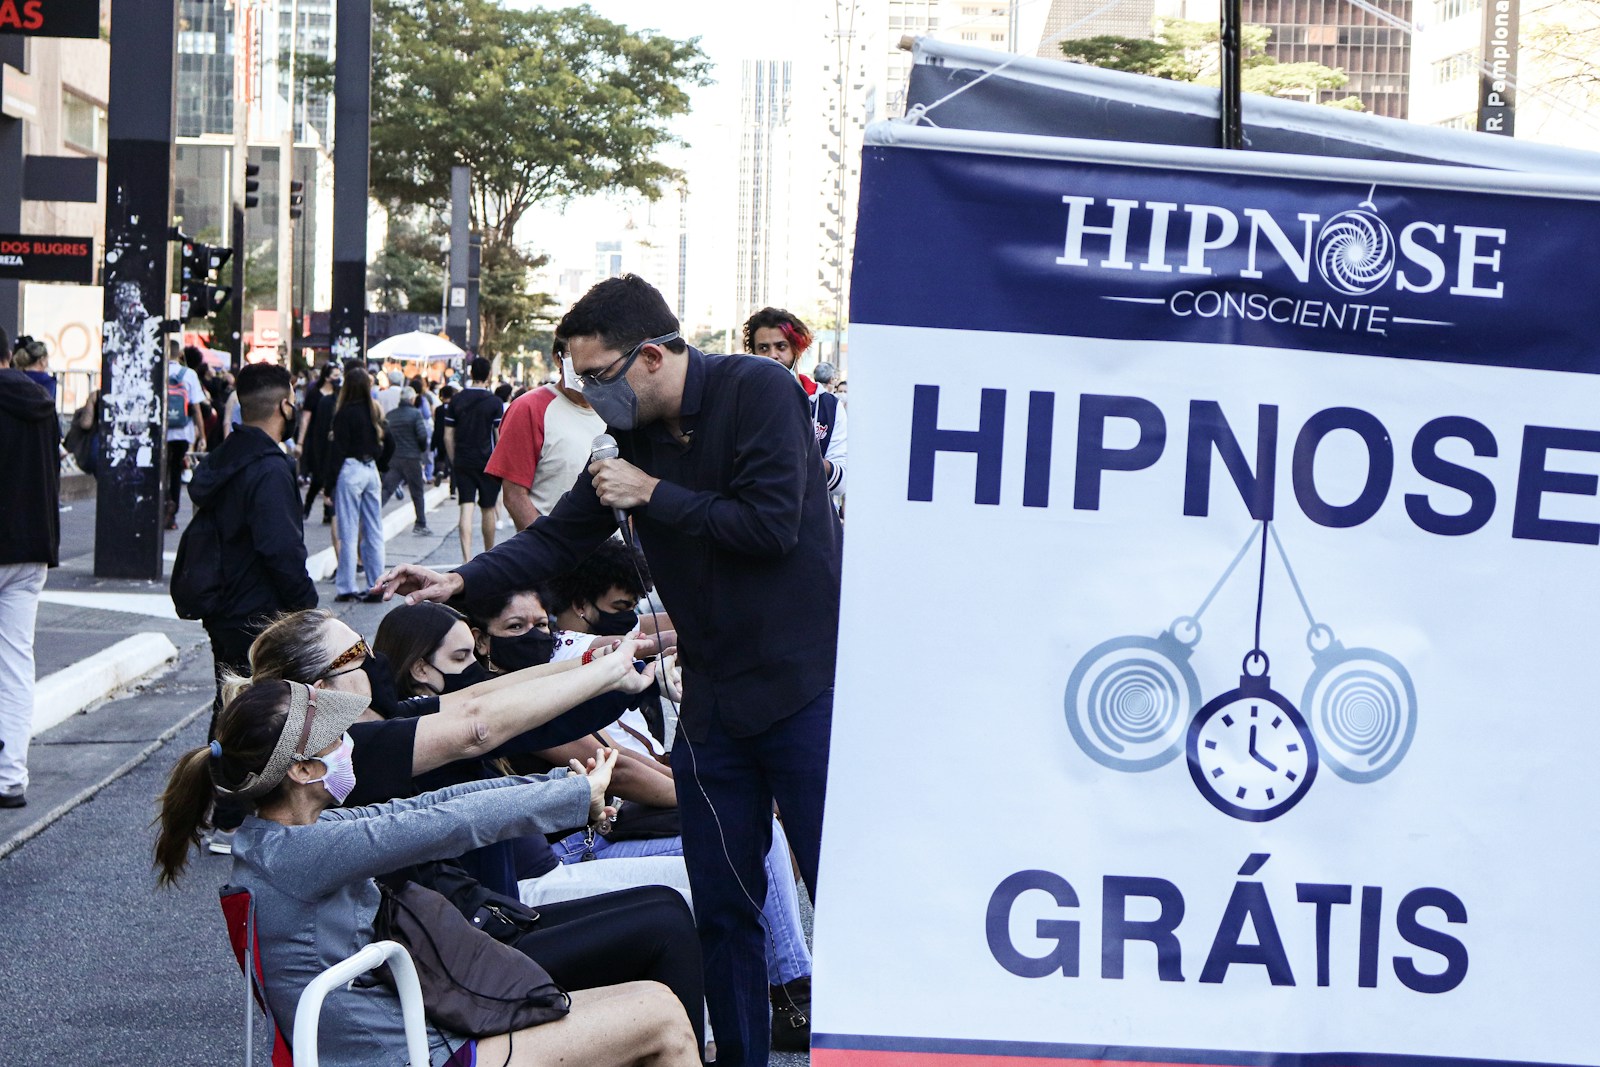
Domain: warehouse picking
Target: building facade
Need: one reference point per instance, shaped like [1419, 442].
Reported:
[1373, 50]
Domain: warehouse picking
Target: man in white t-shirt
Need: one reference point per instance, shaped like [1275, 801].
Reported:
[545, 441]
[184, 397]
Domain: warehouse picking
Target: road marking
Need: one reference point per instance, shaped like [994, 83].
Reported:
[155, 605]
[59, 696]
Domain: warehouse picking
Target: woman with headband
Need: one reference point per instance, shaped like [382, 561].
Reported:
[283, 748]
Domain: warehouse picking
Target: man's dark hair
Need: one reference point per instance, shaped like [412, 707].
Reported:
[798, 333]
[195, 358]
[612, 564]
[502, 392]
[480, 369]
[446, 392]
[261, 387]
[621, 311]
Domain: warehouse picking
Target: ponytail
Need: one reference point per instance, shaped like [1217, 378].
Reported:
[246, 732]
[185, 811]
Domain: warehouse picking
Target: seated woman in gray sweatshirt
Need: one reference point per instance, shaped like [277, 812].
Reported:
[310, 864]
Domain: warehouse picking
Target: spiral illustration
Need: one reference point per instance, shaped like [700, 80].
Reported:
[1363, 710]
[1355, 252]
[1129, 701]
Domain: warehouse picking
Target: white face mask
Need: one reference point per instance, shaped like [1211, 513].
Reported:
[569, 377]
[340, 779]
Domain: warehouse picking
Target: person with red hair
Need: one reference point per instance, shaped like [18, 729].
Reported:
[776, 334]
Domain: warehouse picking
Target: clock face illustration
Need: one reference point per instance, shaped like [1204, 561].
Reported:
[1251, 754]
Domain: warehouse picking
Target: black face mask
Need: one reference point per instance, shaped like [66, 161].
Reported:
[475, 673]
[524, 650]
[385, 699]
[614, 623]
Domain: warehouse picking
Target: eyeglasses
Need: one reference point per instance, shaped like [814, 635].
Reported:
[606, 375]
[357, 651]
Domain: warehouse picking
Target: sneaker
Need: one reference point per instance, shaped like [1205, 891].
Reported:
[220, 842]
[13, 800]
[345, 598]
[791, 1015]
[420, 528]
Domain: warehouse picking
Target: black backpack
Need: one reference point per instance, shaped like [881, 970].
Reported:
[198, 586]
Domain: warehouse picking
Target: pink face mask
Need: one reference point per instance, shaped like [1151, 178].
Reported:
[340, 778]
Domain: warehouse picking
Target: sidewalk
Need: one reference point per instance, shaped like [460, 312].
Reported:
[68, 763]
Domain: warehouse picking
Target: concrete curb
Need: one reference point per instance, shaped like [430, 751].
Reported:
[65, 808]
[321, 565]
[59, 696]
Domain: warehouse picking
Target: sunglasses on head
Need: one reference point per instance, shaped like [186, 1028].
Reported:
[355, 653]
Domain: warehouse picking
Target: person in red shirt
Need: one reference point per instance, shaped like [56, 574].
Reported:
[545, 441]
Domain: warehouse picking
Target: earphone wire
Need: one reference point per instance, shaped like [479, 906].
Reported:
[679, 734]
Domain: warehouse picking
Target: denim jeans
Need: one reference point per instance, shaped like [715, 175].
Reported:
[357, 503]
[788, 956]
[20, 584]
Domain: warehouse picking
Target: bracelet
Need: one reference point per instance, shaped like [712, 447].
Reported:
[588, 656]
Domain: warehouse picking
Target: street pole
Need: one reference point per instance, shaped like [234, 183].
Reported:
[455, 322]
[286, 330]
[133, 379]
[13, 52]
[352, 118]
[1232, 132]
[241, 157]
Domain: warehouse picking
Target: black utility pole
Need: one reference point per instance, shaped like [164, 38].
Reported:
[1232, 65]
[455, 314]
[474, 268]
[12, 52]
[133, 403]
[352, 118]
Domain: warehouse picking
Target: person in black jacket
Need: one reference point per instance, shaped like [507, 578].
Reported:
[250, 486]
[30, 540]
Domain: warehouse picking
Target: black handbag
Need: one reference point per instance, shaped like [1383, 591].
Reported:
[641, 822]
[471, 983]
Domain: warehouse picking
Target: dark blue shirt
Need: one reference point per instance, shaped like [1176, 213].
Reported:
[740, 535]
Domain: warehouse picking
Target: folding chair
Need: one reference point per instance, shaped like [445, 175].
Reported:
[239, 911]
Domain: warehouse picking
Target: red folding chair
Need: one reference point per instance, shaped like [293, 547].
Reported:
[239, 911]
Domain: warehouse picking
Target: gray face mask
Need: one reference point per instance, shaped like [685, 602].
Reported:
[615, 402]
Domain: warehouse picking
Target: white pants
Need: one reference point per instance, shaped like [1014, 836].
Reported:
[571, 881]
[20, 584]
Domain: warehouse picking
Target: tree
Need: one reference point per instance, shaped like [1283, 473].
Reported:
[409, 274]
[541, 104]
[1189, 51]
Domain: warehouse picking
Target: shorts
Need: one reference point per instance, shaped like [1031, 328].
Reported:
[473, 485]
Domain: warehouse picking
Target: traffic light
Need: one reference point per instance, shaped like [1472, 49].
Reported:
[251, 186]
[201, 294]
[297, 198]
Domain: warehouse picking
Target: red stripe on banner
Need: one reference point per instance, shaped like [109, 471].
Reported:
[838, 1057]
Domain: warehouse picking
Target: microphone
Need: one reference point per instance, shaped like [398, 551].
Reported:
[605, 447]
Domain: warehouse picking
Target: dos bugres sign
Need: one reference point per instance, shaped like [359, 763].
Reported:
[47, 259]
[50, 18]
[1258, 499]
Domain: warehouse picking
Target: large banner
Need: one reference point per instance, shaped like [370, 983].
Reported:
[1218, 656]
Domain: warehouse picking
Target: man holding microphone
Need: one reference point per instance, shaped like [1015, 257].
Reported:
[718, 468]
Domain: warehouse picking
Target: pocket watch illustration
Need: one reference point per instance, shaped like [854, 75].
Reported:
[1131, 704]
[1250, 752]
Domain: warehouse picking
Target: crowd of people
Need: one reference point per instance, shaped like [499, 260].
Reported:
[597, 740]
